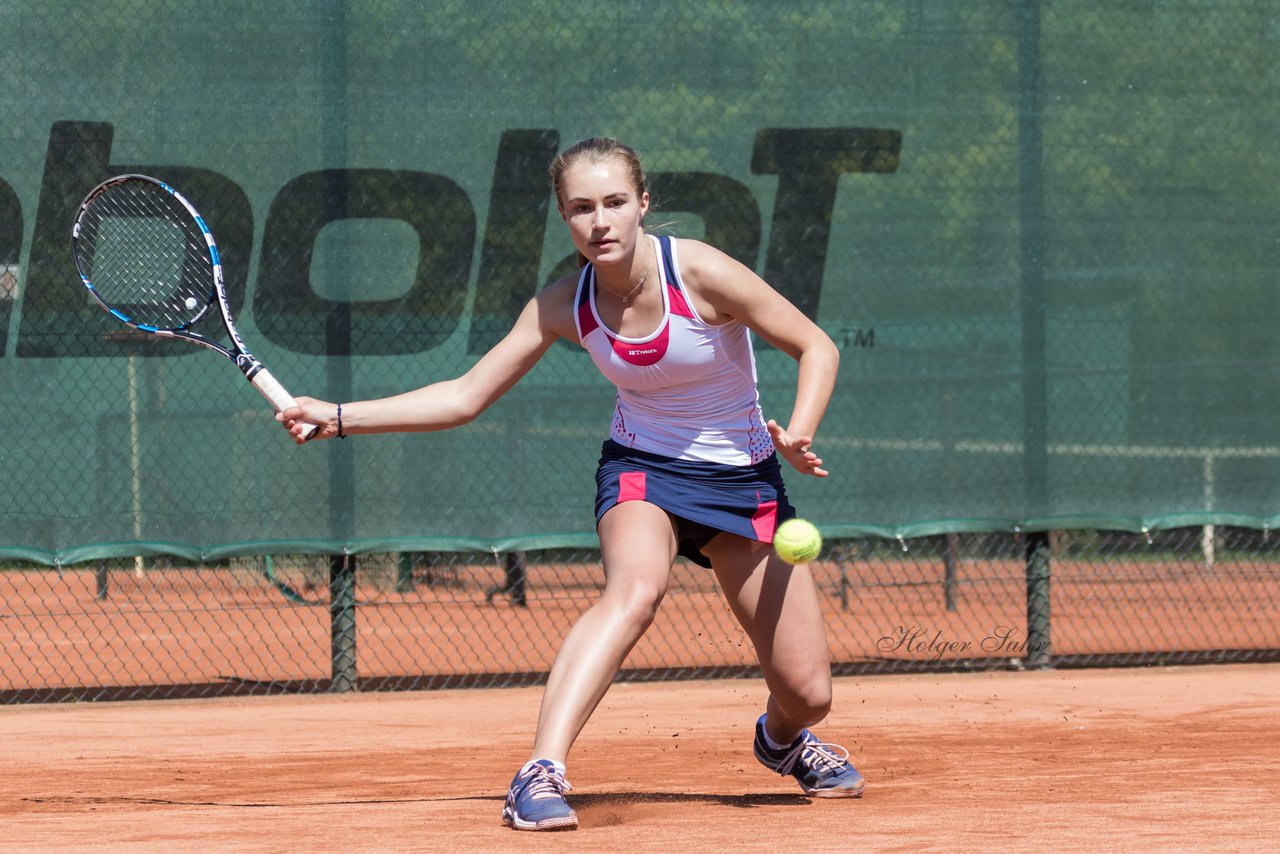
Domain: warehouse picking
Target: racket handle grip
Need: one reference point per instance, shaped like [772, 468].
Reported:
[271, 389]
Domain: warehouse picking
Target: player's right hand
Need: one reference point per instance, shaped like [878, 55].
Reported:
[297, 419]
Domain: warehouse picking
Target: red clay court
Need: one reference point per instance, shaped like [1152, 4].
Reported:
[1153, 759]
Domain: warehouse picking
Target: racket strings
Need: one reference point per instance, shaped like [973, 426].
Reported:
[146, 257]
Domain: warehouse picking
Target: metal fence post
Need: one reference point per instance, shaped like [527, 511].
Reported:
[951, 562]
[514, 580]
[103, 580]
[342, 623]
[1037, 556]
[404, 572]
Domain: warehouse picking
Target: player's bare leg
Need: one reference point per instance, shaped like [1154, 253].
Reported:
[777, 605]
[638, 546]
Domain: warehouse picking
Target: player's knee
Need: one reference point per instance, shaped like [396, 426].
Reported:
[644, 603]
[814, 707]
[808, 702]
[820, 707]
[638, 604]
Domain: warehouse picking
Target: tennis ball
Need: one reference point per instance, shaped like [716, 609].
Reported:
[797, 541]
[191, 302]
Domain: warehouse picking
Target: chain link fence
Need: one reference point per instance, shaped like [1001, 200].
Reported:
[155, 628]
[1041, 233]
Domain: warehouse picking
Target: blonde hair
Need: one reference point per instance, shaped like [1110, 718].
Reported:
[597, 149]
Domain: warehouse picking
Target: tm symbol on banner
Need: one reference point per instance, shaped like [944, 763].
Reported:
[856, 336]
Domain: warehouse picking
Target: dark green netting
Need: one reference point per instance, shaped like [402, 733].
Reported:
[1042, 233]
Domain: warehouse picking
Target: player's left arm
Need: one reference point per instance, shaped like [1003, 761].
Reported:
[733, 291]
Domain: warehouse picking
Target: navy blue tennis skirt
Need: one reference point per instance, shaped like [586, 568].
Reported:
[705, 498]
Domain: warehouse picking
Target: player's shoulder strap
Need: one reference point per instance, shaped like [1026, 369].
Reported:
[668, 255]
[677, 294]
[583, 317]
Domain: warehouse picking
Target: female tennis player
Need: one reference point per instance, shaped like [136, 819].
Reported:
[691, 467]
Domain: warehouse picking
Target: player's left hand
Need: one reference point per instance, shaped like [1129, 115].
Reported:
[796, 450]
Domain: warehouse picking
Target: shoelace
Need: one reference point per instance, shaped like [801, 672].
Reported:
[814, 754]
[543, 782]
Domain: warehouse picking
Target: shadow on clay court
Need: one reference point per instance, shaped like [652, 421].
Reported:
[587, 802]
[602, 810]
[590, 802]
[605, 800]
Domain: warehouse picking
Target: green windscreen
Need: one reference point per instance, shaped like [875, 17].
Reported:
[1042, 234]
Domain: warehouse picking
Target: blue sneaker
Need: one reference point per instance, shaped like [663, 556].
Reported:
[823, 770]
[536, 799]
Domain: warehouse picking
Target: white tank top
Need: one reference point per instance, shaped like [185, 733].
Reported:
[688, 389]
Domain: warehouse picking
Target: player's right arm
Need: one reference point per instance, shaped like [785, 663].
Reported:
[451, 403]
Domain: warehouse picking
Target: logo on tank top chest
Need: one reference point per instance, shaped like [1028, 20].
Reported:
[648, 353]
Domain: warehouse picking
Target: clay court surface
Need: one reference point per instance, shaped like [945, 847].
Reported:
[1161, 759]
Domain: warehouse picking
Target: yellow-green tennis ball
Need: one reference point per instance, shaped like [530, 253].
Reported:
[797, 541]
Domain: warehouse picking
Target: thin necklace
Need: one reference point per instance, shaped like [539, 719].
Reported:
[640, 284]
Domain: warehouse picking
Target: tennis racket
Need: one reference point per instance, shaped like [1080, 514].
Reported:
[150, 261]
